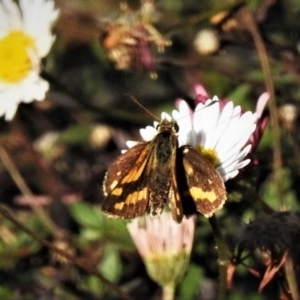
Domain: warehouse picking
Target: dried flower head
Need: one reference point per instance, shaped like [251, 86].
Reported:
[276, 232]
[270, 239]
[130, 38]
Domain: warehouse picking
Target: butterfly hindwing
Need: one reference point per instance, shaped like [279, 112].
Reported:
[175, 200]
[204, 184]
[125, 184]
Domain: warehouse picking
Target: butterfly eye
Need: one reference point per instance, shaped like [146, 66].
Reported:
[176, 127]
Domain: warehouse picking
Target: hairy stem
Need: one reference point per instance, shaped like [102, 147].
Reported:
[223, 260]
[263, 57]
[291, 278]
[25, 190]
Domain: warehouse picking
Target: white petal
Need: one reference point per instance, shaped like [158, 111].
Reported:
[237, 134]
[10, 99]
[130, 144]
[10, 16]
[10, 112]
[226, 117]
[166, 116]
[229, 175]
[229, 164]
[242, 164]
[237, 156]
[148, 133]
[155, 124]
[229, 136]
[39, 12]
[184, 121]
[205, 120]
[30, 89]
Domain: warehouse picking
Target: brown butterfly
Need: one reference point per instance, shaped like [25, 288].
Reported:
[152, 174]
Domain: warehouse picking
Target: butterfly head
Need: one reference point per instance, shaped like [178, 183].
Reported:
[167, 125]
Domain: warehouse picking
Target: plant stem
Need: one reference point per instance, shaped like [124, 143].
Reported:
[25, 190]
[265, 65]
[223, 260]
[168, 292]
[291, 278]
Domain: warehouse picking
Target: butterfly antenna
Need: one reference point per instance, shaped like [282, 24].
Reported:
[142, 106]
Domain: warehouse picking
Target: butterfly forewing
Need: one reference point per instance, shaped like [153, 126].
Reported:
[205, 185]
[125, 184]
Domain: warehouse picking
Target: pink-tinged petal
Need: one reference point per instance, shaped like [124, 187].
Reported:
[261, 103]
[201, 94]
[200, 90]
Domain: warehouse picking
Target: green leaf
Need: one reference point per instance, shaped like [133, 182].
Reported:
[76, 134]
[6, 293]
[111, 266]
[240, 94]
[97, 225]
[237, 295]
[87, 215]
[95, 285]
[190, 283]
[269, 191]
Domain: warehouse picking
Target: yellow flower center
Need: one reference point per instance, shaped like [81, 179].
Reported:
[210, 154]
[15, 62]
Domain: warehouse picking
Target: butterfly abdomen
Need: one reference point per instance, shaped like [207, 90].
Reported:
[163, 167]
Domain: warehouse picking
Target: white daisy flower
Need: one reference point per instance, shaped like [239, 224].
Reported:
[164, 245]
[25, 38]
[220, 134]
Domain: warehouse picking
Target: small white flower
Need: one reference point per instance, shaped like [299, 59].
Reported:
[25, 38]
[220, 134]
[164, 245]
[162, 235]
